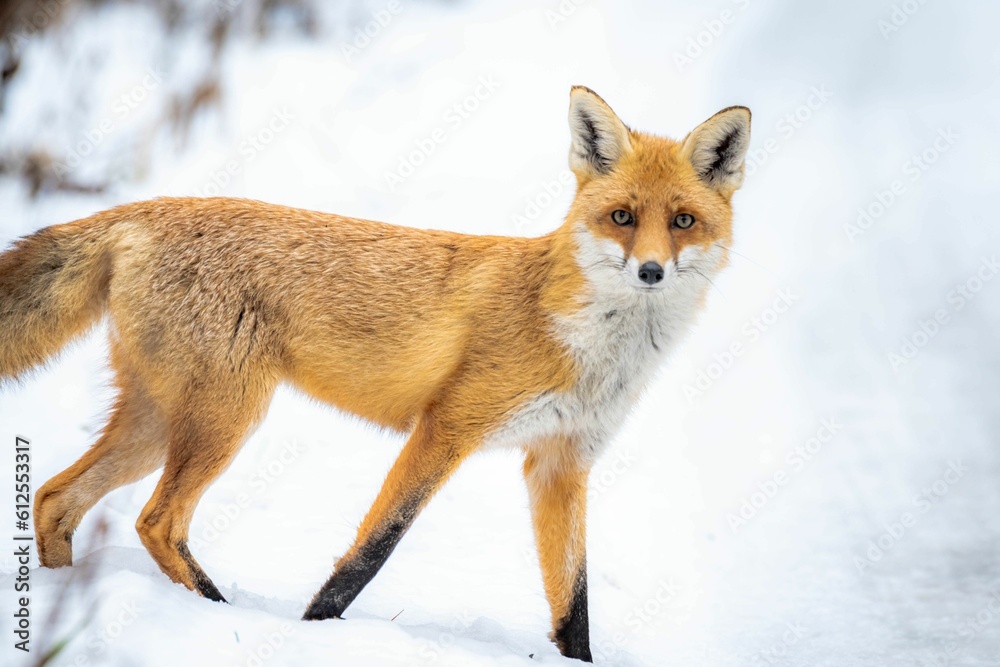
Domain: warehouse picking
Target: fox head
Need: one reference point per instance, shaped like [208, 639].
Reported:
[649, 211]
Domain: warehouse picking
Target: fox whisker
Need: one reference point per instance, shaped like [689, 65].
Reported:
[739, 254]
[688, 269]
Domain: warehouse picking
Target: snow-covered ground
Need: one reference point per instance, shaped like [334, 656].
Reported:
[815, 479]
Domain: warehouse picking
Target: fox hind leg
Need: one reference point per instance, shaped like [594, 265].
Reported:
[132, 445]
[205, 436]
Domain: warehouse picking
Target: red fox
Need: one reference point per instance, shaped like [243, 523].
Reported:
[463, 342]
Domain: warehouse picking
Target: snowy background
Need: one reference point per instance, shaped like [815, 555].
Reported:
[814, 480]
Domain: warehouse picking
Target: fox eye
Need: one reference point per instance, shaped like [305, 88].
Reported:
[683, 220]
[622, 218]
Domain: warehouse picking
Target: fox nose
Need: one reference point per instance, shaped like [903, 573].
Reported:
[650, 273]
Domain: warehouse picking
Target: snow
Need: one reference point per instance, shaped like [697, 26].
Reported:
[868, 489]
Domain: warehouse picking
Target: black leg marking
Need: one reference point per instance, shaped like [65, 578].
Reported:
[572, 635]
[201, 580]
[351, 576]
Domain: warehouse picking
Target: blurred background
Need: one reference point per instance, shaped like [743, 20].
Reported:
[812, 481]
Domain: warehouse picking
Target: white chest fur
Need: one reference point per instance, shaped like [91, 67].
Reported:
[618, 339]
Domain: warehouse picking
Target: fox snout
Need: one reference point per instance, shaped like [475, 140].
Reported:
[647, 273]
[651, 273]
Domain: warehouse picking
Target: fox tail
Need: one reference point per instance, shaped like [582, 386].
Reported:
[54, 286]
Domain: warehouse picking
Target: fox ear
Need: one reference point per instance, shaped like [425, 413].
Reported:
[718, 146]
[599, 138]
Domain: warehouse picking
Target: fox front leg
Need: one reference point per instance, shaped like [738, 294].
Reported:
[430, 456]
[557, 488]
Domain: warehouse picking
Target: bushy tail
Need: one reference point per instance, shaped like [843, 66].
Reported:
[53, 287]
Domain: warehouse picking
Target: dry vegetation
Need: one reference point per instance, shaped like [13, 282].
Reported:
[214, 22]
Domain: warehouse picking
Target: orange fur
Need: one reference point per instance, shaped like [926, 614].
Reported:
[557, 488]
